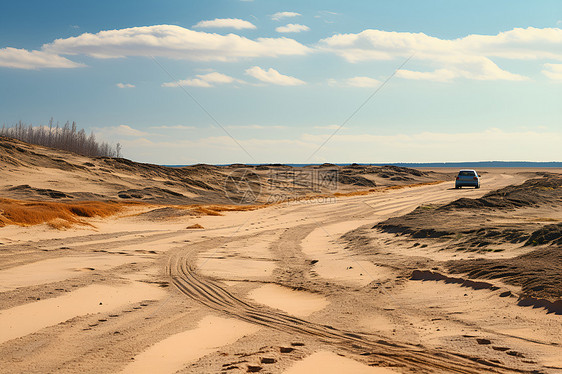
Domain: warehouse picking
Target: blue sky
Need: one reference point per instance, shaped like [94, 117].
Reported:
[484, 81]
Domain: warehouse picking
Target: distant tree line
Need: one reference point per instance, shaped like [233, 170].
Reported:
[67, 138]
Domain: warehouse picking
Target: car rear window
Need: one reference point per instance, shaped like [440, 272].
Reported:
[466, 173]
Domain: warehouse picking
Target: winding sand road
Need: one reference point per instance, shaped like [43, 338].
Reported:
[184, 272]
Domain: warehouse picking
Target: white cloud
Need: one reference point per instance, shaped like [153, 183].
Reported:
[121, 130]
[173, 42]
[477, 68]
[215, 77]
[292, 27]
[204, 80]
[467, 57]
[125, 85]
[439, 75]
[273, 76]
[280, 15]
[234, 23]
[194, 82]
[24, 59]
[529, 43]
[553, 71]
[363, 82]
[174, 127]
[354, 82]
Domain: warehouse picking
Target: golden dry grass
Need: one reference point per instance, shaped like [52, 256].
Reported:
[56, 214]
[206, 211]
[194, 227]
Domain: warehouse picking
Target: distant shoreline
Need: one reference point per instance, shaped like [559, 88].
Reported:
[476, 164]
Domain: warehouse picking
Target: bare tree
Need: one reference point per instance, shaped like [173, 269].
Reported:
[67, 138]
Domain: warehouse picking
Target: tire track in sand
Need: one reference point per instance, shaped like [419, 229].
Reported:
[212, 295]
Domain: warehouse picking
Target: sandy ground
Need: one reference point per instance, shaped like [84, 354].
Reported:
[274, 290]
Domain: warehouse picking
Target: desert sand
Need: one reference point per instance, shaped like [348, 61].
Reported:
[388, 273]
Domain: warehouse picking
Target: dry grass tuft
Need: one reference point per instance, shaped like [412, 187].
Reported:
[206, 211]
[56, 214]
[195, 226]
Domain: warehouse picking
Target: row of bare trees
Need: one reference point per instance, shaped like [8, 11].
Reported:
[66, 137]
